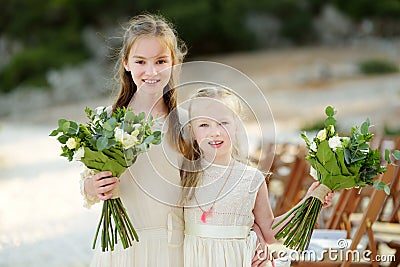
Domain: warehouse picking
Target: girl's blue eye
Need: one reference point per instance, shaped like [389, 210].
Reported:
[224, 123]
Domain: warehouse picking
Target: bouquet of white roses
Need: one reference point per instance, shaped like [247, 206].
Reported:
[109, 142]
[337, 163]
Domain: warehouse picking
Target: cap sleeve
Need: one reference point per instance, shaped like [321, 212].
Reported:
[257, 180]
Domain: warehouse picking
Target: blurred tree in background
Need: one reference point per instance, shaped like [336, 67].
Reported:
[50, 31]
[51, 34]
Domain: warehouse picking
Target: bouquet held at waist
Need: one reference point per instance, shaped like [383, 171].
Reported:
[109, 141]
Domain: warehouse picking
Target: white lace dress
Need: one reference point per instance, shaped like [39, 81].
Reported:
[149, 191]
[222, 238]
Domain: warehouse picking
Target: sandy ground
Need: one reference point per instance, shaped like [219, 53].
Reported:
[42, 221]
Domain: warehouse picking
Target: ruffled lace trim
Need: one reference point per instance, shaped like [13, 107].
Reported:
[88, 200]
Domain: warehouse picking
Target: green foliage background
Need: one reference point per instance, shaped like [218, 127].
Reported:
[50, 31]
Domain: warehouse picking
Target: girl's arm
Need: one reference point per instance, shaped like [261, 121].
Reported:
[262, 254]
[264, 216]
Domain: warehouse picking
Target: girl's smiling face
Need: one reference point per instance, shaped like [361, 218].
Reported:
[213, 127]
[149, 63]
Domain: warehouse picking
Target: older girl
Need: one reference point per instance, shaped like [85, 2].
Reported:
[150, 50]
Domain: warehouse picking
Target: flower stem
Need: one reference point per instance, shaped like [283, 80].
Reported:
[298, 230]
[127, 219]
[114, 220]
[104, 234]
[119, 225]
[98, 227]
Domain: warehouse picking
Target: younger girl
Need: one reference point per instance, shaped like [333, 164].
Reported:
[222, 196]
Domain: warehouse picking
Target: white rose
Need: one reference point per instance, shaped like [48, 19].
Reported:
[79, 154]
[71, 143]
[334, 142]
[313, 173]
[129, 141]
[321, 135]
[135, 133]
[119, 134]
[313, 146]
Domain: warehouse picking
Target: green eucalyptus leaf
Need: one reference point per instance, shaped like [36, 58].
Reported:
[108, 134]
[127, 127]
[113, 122]
[61, 123]
[365, 127]
[107, 126]
[360, 139]
[62, 139]
[130, 156]
[149, 139]
[379, 185]
[150, 118]
[141, 116]
[101, 143]
[330, 121]
[396, 154]
[111, 143]
[329, 111]
[73, 128]
[54, 132]
[65, 127]
[130, 116]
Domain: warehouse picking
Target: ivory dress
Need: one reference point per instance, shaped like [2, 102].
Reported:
[222, 238]
[149, 191]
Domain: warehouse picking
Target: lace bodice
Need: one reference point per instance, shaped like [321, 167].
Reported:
[234, 204]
